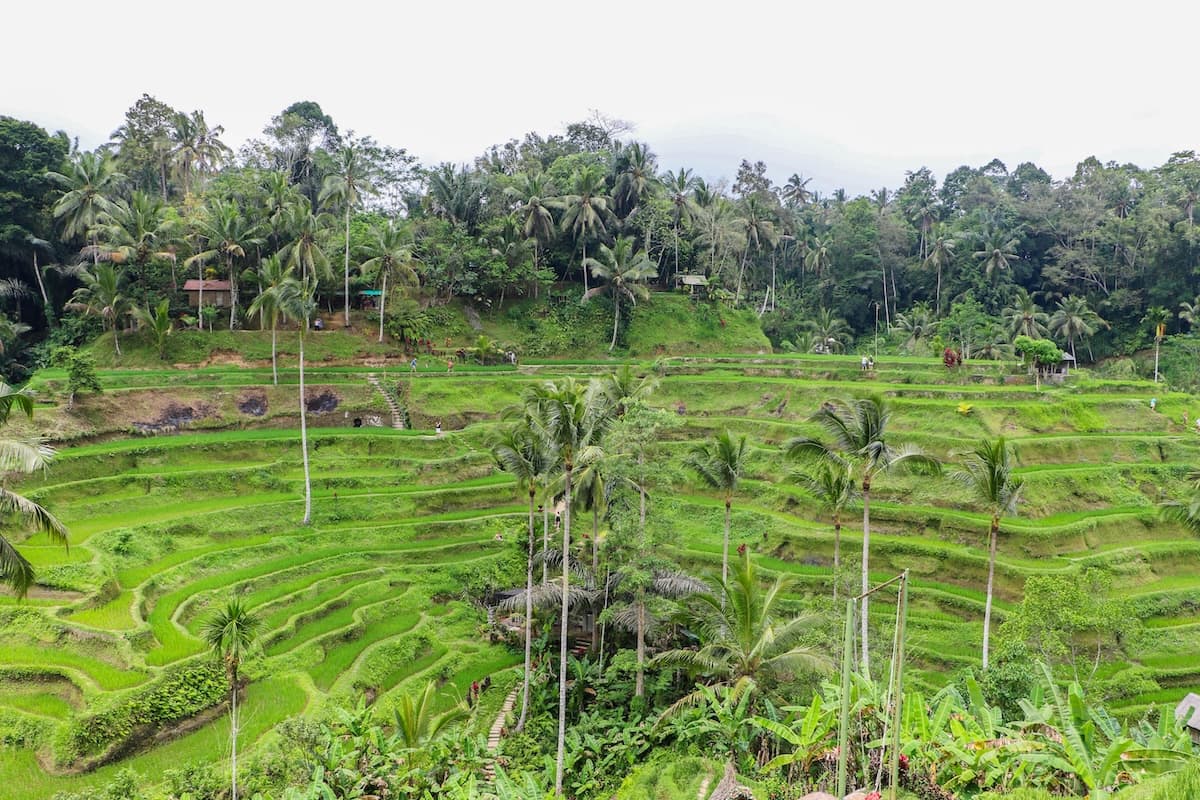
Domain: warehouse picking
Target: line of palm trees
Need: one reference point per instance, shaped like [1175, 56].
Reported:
[558, 434]
[135, 230]
[842, 470]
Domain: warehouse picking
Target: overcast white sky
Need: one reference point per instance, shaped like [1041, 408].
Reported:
[849, 93]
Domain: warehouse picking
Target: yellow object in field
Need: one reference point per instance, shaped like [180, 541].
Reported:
[965, 408]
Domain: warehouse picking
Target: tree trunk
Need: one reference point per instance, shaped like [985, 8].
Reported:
[595, 538]
[304, 433]
[584, 265]
[987, 608]
[737, 296]
[639, 685]
[837, 554]
[616, 320]
[117, 337]
[382, 300]
[233, 731]
[676, 276]
[200, 297]
[274, 353]
[528, 620]
[603, 626]
[725, 546]
[562, 647]
[535, 268]
[546, 536]
[347, 264]
[866, 577]
[49, 312]
[233, 296]
[938, 301]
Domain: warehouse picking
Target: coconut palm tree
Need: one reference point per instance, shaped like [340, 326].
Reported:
[1156, 317]
[819, 255]
[22, 455]
[1025, 317]
[196, 148]
[829, 332]
[621, 270]
[304, 232]
[720, 464]
[272, 277]
[297, 303]
[636, 179]
[231, 633]
[535, 211]
[157, 322]
[681, 187]
[350, 180]
[389, 254]
[832, 486]
[720, 229]
[759, 230]
[918, 322]
[103, 295]
[136, 232]
[796, 192]
[1190, 312]
[639, 616]
[1074, 320]
[859, 433]
[623, 388]
[586, 210]
[988, 473]
[567, 418]
[744, 638]
[996, 250]
[229, 235]
[89, 186]
[518, 452]
[940, 256]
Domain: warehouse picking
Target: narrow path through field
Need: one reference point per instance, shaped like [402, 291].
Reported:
[493, 744]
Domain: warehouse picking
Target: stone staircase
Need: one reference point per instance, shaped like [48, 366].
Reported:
[393, 406]
[493, 741]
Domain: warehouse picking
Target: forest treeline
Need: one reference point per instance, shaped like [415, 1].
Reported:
[1098, 261]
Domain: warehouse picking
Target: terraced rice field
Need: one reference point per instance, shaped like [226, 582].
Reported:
[368, 598]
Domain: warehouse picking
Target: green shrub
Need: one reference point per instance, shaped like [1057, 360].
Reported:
[179, 694]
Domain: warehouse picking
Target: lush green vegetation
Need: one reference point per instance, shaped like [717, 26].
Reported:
[306, 561]
[411, 531]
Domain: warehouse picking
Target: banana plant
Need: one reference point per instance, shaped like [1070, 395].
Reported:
[808, 735]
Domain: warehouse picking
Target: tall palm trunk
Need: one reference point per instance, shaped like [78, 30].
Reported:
[737, 296]
[616, 320]
[528, 619]
[837, 554]
[987, 608]
[304, 434]
[938, 300]
[546, 536]
[595, 538]
[866, 576]
[37, 274]
[274, 352]
[382, 300]
[233, 296]
[562, 646]
[584, 265]
[639, 685]
[233, 730]
[347, 265]
[725, 545]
